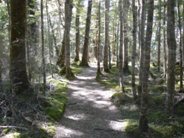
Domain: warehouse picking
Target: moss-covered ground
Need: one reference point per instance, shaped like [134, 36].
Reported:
[161, 125]
[40, 120]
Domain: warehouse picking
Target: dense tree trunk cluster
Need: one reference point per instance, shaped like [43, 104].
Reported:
[143, 41]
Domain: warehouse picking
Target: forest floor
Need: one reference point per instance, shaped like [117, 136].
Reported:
[90, 112]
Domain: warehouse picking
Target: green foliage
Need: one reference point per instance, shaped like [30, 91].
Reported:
[57, 102]
[159, 117]
[120, 98]
[76, 68]
[132, 129]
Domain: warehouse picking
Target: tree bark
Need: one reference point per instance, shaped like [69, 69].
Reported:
[171, 42]
[126, 5]
[68, 19]
[85, 57]
[107, 44]
[159, 35]
[18, 74]
[99, 40]
[77, 25]
[121, 78]
[134, 33]
[143, 122]
[43, 48]
[142, 32]
[180, 46]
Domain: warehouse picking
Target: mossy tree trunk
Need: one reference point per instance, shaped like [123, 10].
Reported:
[85, 53]
[143, 122]
[18, 74]
[171, 42]
[107, 44]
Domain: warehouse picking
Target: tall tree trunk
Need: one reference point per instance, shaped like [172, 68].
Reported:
[180, 46]
[85, 57]
[1, 63]
[121, 78]
[99, 40]
[126, 5]
[61, 58]
[171, 42]
[68, 19]
[77, 25]
[18, 74]
[49, 39]
[164, 41]
[143, 122]
[107, 44]
[142, 32]
[134, 33]
[159, 35]
[43, 48]
[117, 43]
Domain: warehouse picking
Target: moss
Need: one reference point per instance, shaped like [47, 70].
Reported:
[158, 88]
[155, 100]
[158, 117]
[132, 129]
[120, 98]
[57, 102]
[162, 131]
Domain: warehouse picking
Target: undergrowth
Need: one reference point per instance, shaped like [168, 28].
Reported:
[35, 116]
[161, 125]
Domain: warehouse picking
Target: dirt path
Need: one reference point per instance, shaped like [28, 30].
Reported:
[90, 113]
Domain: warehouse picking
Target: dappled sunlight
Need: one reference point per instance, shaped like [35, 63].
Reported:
[77, 117]
[118, 125]
[68, 132]
[130, 107]
[90, 112]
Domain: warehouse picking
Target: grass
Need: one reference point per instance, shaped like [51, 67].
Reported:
[161, 125]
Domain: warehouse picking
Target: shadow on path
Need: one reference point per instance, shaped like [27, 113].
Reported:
[90, 113]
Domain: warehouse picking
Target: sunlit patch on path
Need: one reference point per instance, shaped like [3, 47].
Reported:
[90, 113]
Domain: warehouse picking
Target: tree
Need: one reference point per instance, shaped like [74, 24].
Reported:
[134, 33]
[126, 5]
[85, 57]
[77, 25]
[171, 42]
[180, 45]
[18, 74]
[141, 39]
[159, 35]
[121, 46]
[98, 39]
[143, 122]
[68, 19]
[107, 44]
[43, 47]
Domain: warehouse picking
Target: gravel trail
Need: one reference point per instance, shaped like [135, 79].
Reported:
[89, 112]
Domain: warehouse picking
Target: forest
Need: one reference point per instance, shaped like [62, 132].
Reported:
[91, 68]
